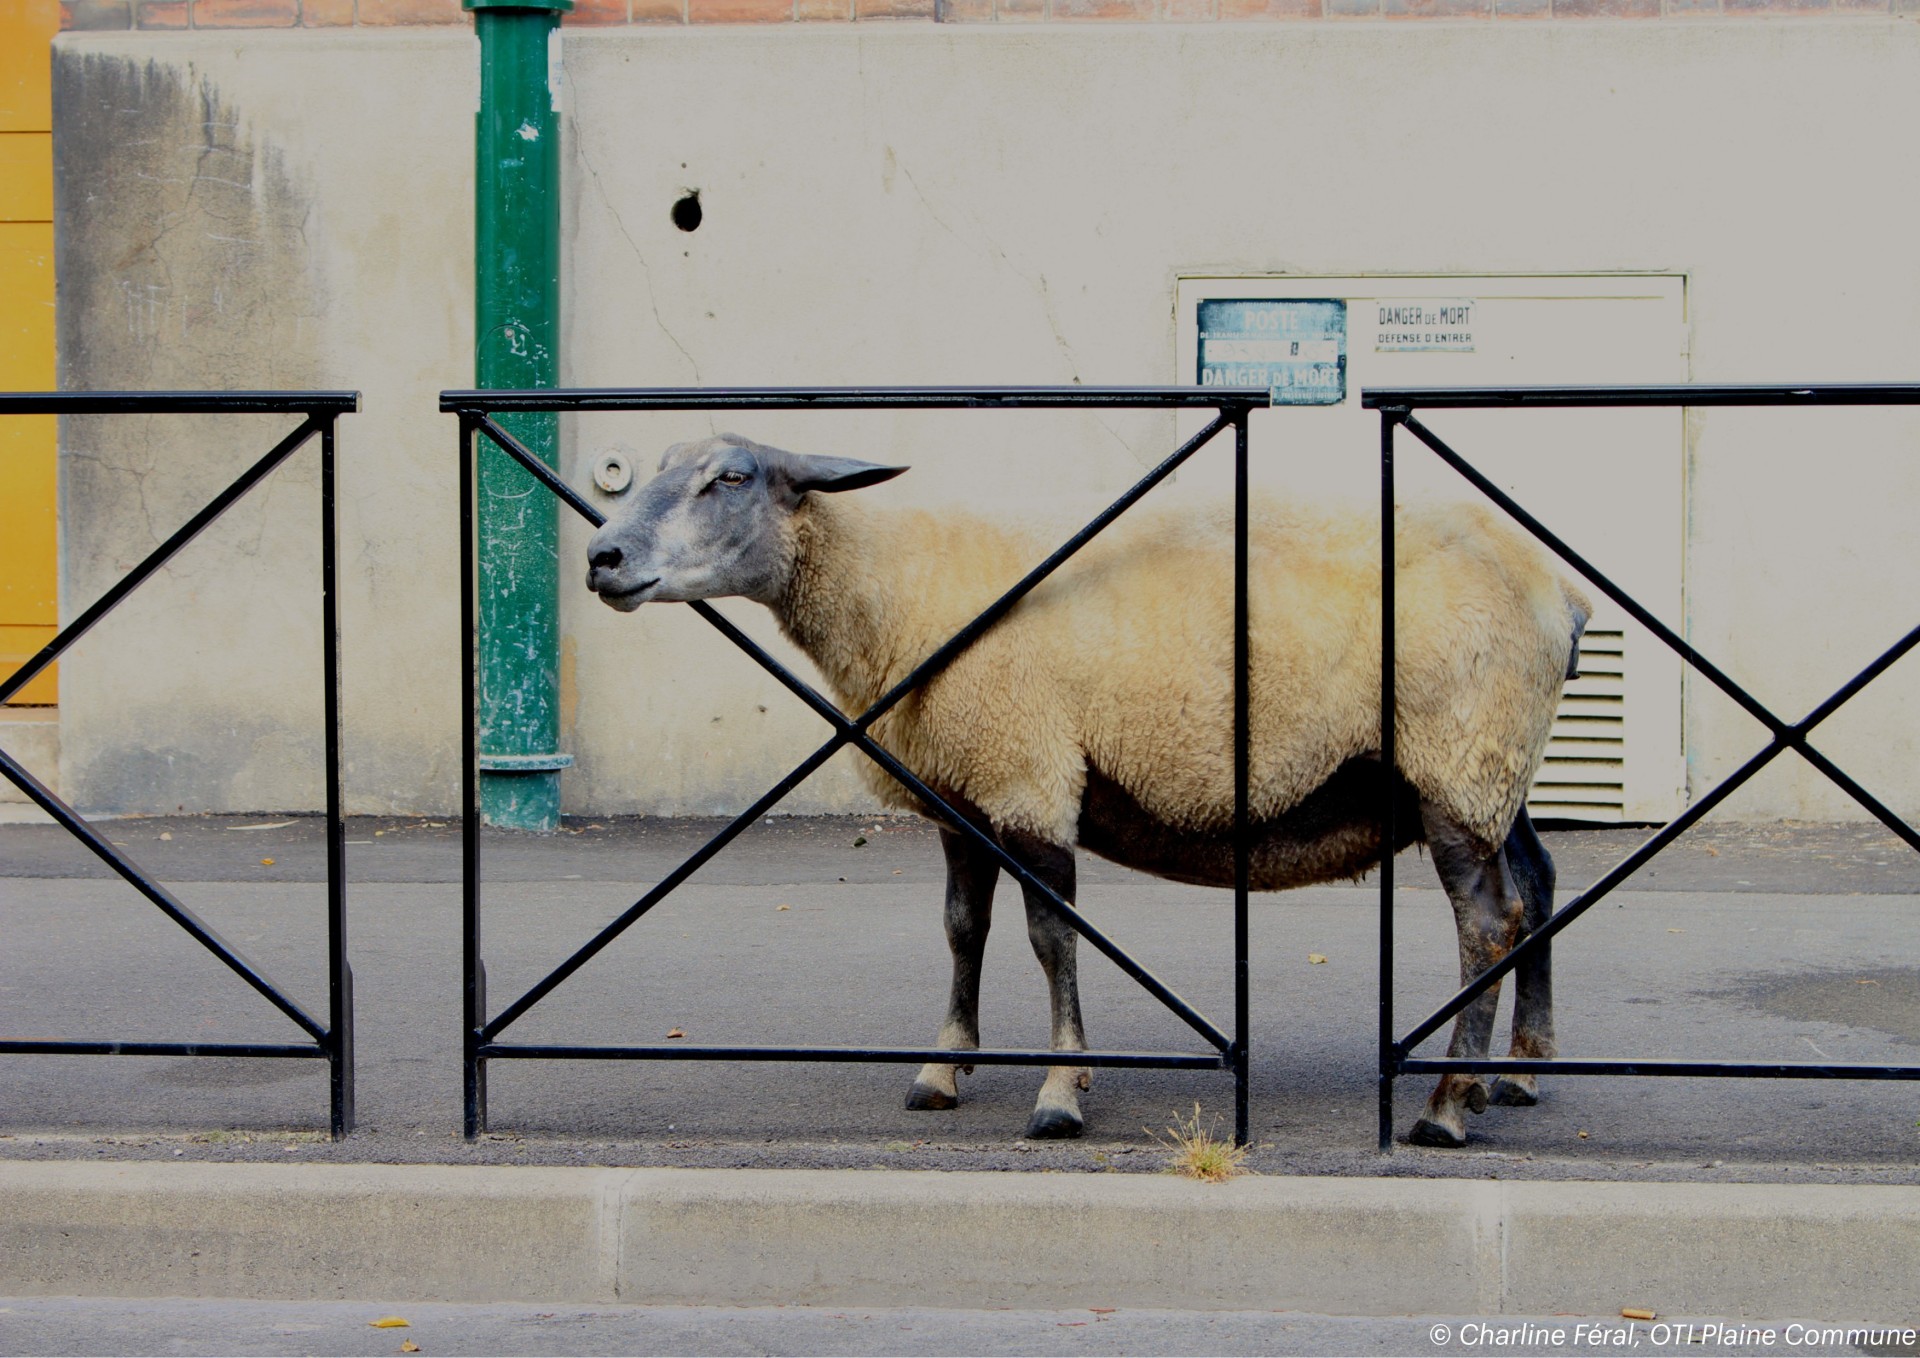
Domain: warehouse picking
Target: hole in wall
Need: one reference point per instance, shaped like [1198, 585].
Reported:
[687, 213]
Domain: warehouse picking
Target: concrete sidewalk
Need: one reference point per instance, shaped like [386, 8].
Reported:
[752, 1238]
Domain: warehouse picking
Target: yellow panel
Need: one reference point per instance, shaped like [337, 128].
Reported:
[28, 522]
[26, 176]
[28, 519]
[29, 591]
[19, 644]
[26, 305]
[26, 66]
[28, 609]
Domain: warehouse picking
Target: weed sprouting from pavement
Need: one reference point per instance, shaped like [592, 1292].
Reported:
[1198, 1152]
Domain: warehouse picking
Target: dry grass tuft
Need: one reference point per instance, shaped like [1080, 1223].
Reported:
[1199, 1152]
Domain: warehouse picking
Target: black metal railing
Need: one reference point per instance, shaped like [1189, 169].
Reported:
[482, 1034]
[330, 1040]
[1397, 409]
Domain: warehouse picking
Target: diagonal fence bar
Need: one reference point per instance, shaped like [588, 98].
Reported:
[765, 803]
[1785, 737]
[1627, 602]
[1011, 865]
[1000, 607]
[1578, 906]
[1789, 738]
[201, 932]
[1877, 808]
[1396, 407]
[155, 559]
[945, 653]
[853, 732]
[332, 1040]
[1231, 407]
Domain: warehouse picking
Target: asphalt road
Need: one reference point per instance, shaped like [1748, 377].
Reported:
[1766, 943]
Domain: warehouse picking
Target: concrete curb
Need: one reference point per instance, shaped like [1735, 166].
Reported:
[763, 1237]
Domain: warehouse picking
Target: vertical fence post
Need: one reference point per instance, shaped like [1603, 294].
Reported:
[339, 1041]
[1242, 700]
[1389, 796]
[473, 969]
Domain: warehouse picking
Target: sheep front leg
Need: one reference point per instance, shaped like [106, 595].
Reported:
[971, 875]
[1487, 913]
[1056, 1113]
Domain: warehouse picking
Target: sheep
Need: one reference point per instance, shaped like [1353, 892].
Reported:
[1099, 711]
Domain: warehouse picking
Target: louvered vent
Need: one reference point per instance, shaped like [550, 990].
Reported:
[1584, 774]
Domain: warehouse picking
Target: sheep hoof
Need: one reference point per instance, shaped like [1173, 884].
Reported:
[924, 1098]
[1427, 1132]
[1516, 1091]
[1054, 1124]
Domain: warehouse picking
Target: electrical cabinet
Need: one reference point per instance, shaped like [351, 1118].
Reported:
[1611, 483]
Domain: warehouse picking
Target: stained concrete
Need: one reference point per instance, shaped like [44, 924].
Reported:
[668, 1237]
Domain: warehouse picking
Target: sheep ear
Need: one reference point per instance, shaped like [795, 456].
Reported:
[836, 473]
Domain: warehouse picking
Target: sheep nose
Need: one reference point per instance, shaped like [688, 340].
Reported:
[606, 558]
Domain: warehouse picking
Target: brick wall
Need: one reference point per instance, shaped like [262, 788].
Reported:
[180, 14]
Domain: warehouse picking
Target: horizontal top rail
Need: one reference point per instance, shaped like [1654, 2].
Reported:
[851, 398]
[1803, 394]
[176, 402]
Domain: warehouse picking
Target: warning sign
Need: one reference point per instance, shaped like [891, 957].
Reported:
[1440, 325]
[1296, 350]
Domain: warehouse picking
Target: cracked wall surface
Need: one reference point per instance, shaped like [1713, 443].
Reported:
[226, 220]
[924, 204]
[185, 262]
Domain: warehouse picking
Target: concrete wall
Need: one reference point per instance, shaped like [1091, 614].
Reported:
[247, 212]
[923, 203]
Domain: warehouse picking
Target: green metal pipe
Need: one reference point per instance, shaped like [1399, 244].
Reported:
[517, 345]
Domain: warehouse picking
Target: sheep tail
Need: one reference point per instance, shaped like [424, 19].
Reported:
[1582, 610]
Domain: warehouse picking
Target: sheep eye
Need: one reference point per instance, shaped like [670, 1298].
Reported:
[732, 478]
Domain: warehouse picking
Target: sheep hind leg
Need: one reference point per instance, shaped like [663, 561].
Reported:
[971, 875]
[1532, 869]
[1056, 1113]
[1487, 912]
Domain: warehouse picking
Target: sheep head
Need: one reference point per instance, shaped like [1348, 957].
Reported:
[713, 523]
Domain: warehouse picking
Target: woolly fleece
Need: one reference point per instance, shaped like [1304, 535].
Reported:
[1123, 659]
